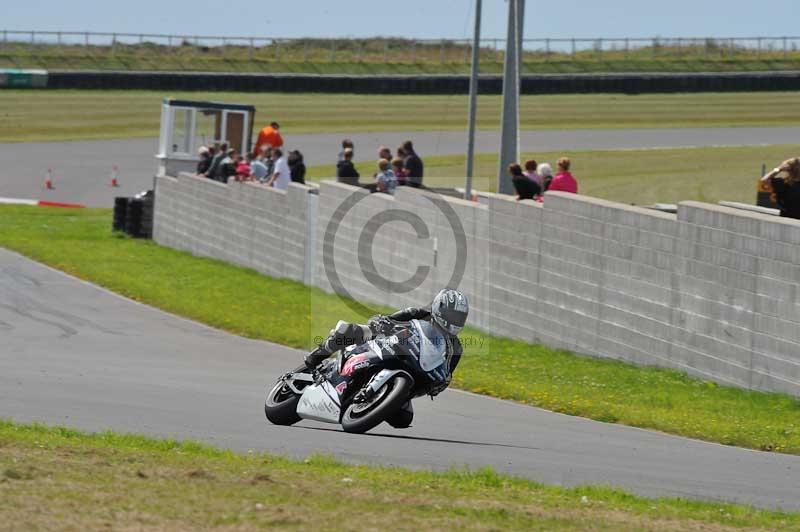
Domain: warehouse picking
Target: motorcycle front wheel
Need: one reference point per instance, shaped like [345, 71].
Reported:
[280, 406]
[363, 416]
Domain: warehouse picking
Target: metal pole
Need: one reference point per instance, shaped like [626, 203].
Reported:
[473, 100]
[509, 138]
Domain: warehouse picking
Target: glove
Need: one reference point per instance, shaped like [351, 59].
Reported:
[380, 325]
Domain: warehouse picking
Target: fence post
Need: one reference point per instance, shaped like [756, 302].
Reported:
[86, 38]
[573, 48]
[305, 50]
[758, 53]
[785, 48]
[386, 51]
[441, 52]
[333, 51]
[113, 43]
[627, 47]
[413, 52]
[547, 49]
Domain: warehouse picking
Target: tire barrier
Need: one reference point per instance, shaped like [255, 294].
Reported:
[134, 216]
[445, 84]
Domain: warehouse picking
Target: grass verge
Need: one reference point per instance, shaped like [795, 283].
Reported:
[61, 478]
[247, 303]
[46, 115]
[640, 177]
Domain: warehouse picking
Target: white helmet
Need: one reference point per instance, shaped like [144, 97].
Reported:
[450, 309]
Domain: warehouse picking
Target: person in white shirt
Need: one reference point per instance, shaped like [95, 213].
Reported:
[281, 175]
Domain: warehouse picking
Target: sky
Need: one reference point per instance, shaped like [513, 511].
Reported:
[408, 18]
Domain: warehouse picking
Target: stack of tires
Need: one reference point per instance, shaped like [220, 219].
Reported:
[134, 216]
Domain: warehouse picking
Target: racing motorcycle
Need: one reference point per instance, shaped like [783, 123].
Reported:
[366, 384]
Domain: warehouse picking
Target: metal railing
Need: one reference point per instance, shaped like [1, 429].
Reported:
[396, 49]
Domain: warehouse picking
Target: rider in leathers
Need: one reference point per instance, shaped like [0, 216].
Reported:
[447, 314]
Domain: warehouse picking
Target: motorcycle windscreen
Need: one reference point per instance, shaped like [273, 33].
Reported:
[317, 403]
[432, 345]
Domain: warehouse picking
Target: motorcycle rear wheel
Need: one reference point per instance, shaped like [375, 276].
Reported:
[358, 418]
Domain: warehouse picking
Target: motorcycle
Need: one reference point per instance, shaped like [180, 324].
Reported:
[366, 384]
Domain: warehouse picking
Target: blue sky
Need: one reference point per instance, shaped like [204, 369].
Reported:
[416, 18]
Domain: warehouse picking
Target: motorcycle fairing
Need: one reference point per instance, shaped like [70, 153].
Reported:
[432, 345]
[320, 402]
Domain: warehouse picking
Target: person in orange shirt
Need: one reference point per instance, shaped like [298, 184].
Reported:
[269, 136]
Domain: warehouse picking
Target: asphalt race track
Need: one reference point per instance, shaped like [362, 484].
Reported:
[76, 355]
[82, 169]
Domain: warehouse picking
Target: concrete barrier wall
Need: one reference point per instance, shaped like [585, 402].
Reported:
[242, 223]
[712, 291]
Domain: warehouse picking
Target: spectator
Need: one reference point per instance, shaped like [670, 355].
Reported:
[269, 136]
[384, 153]
[526, 187]
[266, 158]
[281, 176]
[787, 187]
[530, 172]
[228, 166]
[258, 170]
[347, 144]
[345, 170]
[399, 172]
[215, 170]
[297, 167]
[563, 180]
[401, 153]
[205, 160]
[243, 167]
[412, 164]
[546, 172]
[385, 180]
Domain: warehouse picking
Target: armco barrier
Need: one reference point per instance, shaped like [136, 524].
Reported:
[445, 84]
[712, 291]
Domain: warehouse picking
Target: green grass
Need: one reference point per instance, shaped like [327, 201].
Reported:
[639, 177]
[382, 56]
[43, 115]
[244, 302]
[58, 478]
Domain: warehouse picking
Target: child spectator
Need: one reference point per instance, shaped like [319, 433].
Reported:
[243, 167]
[258, 170]
[564, 181]
[228, 166]
[384, 153]
[526, 188]
[546, 172]
[530, 172]
[786, 188]
[345, 170]
[399, 172]
[297, 167]
[385, 179]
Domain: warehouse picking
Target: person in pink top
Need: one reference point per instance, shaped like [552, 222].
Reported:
[563, 181]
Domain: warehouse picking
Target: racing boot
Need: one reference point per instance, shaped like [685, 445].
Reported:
[315, 357]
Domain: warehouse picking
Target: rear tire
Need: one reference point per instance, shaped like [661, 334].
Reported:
[393, 399]
[280, 406]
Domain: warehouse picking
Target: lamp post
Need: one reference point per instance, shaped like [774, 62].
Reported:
[509, 137]
[473, 100]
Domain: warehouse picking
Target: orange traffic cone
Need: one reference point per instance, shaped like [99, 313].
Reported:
[114, 176]
[48, 182]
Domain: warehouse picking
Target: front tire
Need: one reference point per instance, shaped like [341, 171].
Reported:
[280, 406]
[359, 418]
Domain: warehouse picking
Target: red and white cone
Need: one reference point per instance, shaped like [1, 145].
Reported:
[114, 176]
[48, 182]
